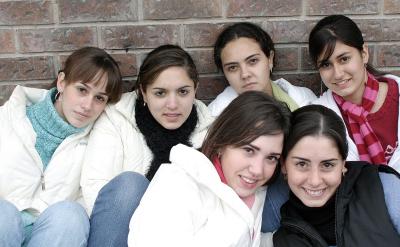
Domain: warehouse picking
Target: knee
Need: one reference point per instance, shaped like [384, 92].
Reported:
[9, 213]
[129, 184]
[68, 215]
[11, 226]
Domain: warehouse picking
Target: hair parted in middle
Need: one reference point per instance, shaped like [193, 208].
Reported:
[242, 30]
[316, 120]
[160, 59]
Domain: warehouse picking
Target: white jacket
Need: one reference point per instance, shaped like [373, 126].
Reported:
[22, 179]
[186, 204]
[301, 95]
[117, 145]
[327, 100]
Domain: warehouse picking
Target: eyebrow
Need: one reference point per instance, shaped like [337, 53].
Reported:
[258, 149]
[160, 88]
[247, 58]
[87, 85]
[304, 159]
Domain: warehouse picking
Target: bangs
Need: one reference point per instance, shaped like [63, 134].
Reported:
[327, 51]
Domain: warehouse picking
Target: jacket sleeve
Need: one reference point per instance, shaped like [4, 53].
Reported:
[166, 215]
[102, 160]
[390, 183]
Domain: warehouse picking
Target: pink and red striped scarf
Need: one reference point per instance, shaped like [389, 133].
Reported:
[368, 145]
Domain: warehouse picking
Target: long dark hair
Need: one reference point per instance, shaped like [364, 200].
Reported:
[328, 31]
[251, 115]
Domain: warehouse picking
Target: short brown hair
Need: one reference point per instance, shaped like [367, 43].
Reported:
[84, 64]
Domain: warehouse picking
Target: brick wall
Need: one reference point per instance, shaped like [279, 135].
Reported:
[36, 36]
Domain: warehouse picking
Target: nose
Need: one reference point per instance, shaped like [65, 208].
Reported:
[245, 73]
[256, 167]
[86, 103]
[172, 101]
[314, 178]
[338, 70]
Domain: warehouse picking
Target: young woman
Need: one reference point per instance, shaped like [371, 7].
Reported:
[367, 100]
[43, 135]
[245, 53]
[134, 137]
[333, 202]
[215, 197]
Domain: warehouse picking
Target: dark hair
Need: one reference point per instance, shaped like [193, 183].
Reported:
[316, 120]
[85, 64]
[328, 31]
[242, 30]
[251, 115]
[162, 58]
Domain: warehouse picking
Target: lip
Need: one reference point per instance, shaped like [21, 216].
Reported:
[314, 193]
[82, 115]
[247, 182]
[249, 85]
[172, 116]
[342, 83]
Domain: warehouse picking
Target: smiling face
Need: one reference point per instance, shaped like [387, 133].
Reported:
[170, 97]
[80, 103]
[248, 167]
[344, 72]
[246, 67]
[314, 170]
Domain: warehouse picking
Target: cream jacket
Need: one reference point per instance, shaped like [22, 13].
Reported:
[22, 179]
[117, 145]
[186, 204]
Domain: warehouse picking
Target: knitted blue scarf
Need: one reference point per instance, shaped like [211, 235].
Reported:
[50, 128]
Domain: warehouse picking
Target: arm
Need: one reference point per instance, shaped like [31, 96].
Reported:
[102, 160]
[167, 212]
[392, 197]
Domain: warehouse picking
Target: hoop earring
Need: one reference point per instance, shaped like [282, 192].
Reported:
[57, 96]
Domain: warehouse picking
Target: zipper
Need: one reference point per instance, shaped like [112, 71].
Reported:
[305, 232]
[42, 182]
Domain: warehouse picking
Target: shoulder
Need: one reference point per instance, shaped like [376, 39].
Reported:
[222, 101]
[301, 95]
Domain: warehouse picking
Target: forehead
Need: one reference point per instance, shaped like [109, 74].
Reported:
[239, 49]
[315, 148]
[98, 82]
[269, 143]
[172, 78]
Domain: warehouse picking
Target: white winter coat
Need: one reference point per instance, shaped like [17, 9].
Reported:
[301, 95]
[327, 100]
[186, 204]
[117, 145]
[22, 179]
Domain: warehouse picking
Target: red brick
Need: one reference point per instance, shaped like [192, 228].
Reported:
[127, 63]
[210, 87]
[180, 9]
[388, 55]
[392, 7]
[204, 61]
[309, 80]
[286, 58]
[242, 8]
[391, 29]
[324, 7]
[371, 29]
[287, 31]
[26, 68]
[26, 12]
[97, 10]
[7, 41]
[202, 34]
[134, 37]
[56, 39]
[306, 62]
[5, 92]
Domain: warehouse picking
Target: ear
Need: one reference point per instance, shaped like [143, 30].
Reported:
[271, 60]
[143, 94]
[61, 82]
[365, 54]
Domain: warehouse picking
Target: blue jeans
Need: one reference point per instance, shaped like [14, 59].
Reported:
[277, 195]
[61, 224]
[113, 209]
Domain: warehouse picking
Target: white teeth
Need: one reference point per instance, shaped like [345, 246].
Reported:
[314, 192]
[248, 180]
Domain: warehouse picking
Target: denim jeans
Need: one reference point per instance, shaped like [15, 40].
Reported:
[113, 209]
[277, 195]
[61, 224]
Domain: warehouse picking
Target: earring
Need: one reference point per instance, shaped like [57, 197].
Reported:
[57, 96]
[270, 68]
[144, 103]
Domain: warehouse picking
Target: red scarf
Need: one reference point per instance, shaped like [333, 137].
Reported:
[218, 167]
[368, 145]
